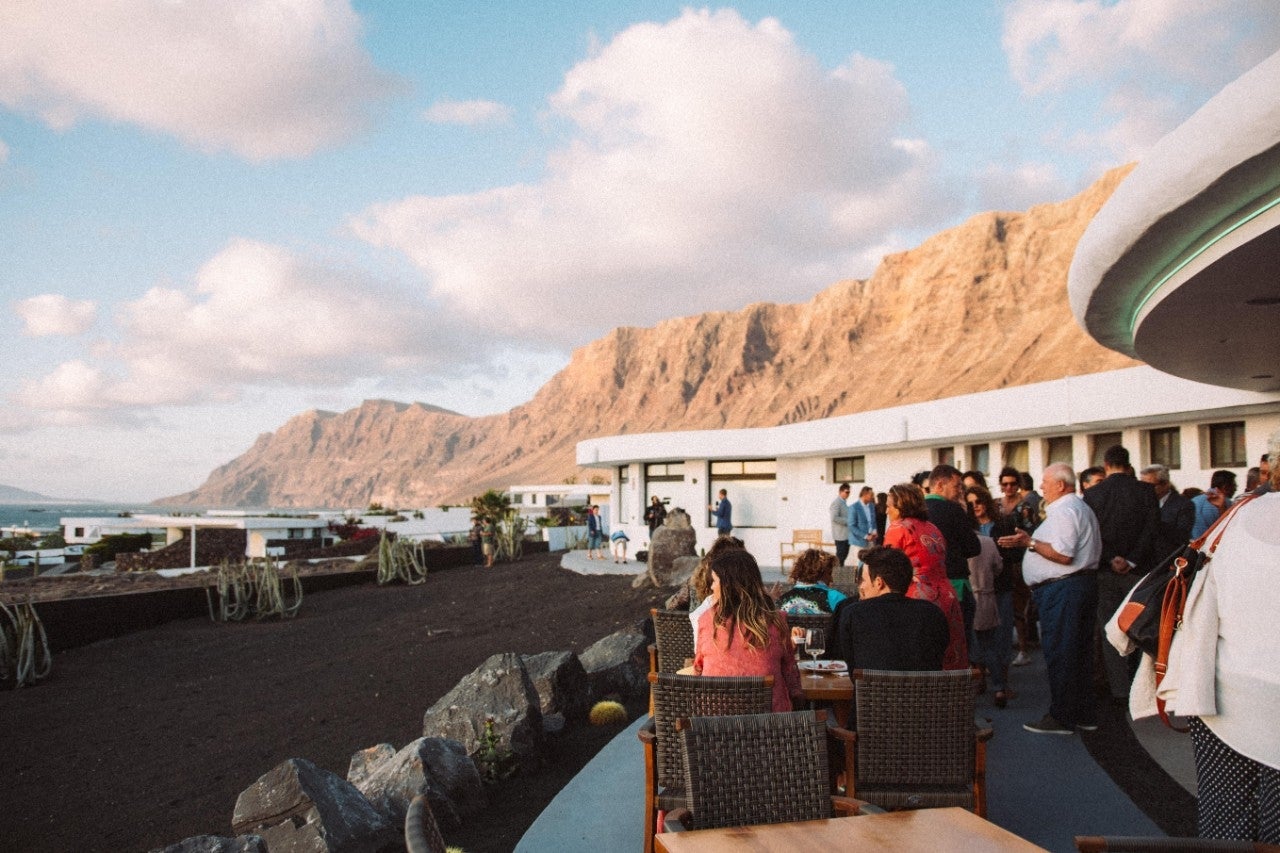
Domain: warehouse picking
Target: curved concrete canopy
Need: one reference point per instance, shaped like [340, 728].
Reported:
[1181, 267]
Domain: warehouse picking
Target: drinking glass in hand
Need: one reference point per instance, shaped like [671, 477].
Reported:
[815, 642]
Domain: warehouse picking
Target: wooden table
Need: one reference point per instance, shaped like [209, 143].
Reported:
[836, 688]
[925, 830]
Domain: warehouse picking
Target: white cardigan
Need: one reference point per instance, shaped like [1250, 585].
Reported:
[1224, 665]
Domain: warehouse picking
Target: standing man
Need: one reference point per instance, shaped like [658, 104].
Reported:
[723, 512]
[654, 514]
[1177, 515]
[1060, 566]
[864, 530]
[946, 508]
[839, 512]
[1211, 504]
[595, 534]
[1128, 520]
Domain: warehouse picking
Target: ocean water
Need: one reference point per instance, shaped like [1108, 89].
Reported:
[45, 516]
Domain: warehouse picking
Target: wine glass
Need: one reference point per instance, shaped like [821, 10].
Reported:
[815, 642]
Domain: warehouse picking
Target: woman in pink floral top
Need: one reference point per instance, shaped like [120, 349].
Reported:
[743, 634]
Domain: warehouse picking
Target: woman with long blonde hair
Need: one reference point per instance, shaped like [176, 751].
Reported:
[742, 634]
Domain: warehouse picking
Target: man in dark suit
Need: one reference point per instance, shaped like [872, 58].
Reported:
[1128, 520]
[946, 508]
[882, 628]
[1177, 515]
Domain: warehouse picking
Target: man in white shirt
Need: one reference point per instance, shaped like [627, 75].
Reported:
[1060, 567]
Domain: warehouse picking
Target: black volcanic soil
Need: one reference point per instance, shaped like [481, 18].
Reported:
[143, 740]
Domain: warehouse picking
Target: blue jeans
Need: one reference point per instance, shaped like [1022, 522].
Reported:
[1068, 611]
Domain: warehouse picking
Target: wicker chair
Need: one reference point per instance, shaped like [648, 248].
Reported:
[762, 768]
[680, 696]
[1142, 844]
[421, 834]
[673, 640]
[915, 741]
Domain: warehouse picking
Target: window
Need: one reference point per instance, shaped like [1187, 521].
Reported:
[79, 534]
[664, 472]
[625, 501]
[752, 487]
[1016, 455]
[944, 456]
[517, 498]
[1226, 445]
[849, 469]
[1098, 444]
[1164, 447]
[980, 457]
[1058, 449]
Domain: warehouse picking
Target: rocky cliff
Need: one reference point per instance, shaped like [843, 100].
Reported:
[979, 306]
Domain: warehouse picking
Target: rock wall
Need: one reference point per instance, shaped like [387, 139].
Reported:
[979, 306]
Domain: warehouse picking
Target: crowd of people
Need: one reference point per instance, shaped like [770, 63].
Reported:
[950, 576]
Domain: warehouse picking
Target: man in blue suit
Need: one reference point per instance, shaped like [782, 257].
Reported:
[862, 521]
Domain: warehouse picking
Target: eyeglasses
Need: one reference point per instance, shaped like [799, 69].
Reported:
[1008, 484]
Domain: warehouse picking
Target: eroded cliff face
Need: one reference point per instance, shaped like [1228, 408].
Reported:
[979, 306]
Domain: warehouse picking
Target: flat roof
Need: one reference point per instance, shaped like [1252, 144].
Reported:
[1181, 267]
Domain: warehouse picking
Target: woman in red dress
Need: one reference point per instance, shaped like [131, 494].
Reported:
[911, 531]
[742, 633]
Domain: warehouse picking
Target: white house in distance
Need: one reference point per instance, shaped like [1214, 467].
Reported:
[85, 530]
[259, 530]
[784, 477]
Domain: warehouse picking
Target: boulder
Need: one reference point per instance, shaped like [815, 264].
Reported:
[438, 768]
[298, 807]
[675, 538]
[500, 690]
[217, 844]
[618, 664]
[364, 762]
[561, 683]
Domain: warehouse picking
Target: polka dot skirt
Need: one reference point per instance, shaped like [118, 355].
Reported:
[1239, 797]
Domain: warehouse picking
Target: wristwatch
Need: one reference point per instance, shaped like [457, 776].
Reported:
[1031, 546]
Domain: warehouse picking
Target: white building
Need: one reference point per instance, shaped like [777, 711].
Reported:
[784, 477]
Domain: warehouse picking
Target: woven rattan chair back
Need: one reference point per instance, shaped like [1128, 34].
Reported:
[673, 636]
[915, 731]
[421, 833]
[754, 769]
[683, 696]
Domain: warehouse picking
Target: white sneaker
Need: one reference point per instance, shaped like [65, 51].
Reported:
[1022, 659]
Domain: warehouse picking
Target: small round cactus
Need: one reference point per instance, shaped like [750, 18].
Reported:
[607, 713]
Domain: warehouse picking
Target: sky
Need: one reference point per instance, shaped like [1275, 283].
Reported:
[215, 216]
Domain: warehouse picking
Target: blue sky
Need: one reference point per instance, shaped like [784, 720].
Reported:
[215, 216]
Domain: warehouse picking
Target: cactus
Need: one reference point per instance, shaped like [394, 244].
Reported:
[510, 538]
[24, 645]
[400, 559]
[607, 713]
[496, 761]
[252, 588]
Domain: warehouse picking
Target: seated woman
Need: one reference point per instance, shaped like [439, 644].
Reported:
[699, 596]
[742, 633]
[812, 593]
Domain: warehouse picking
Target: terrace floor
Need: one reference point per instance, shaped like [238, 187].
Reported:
[1043, 788]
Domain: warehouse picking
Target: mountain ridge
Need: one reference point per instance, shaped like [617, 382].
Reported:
[978, 306]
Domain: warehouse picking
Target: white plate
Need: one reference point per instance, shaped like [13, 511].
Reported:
[824, 665]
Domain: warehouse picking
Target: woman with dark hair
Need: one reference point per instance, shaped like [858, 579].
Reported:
[812, 592]
[911, 531]
[992, 582]
[742, 633]
[701, 598]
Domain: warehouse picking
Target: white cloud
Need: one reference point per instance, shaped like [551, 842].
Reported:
[709, 163]
[469, 113]
[1020, 186]
[54, 314]
[258, 315]
[1156, 61]
[262, 78]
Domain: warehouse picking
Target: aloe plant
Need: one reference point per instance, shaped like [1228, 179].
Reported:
[400, 559]
[253, 588]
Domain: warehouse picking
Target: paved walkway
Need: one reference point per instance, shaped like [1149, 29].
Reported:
[1044, 788]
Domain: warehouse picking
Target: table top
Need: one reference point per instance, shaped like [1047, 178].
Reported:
[827, 687]
[925, 830]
